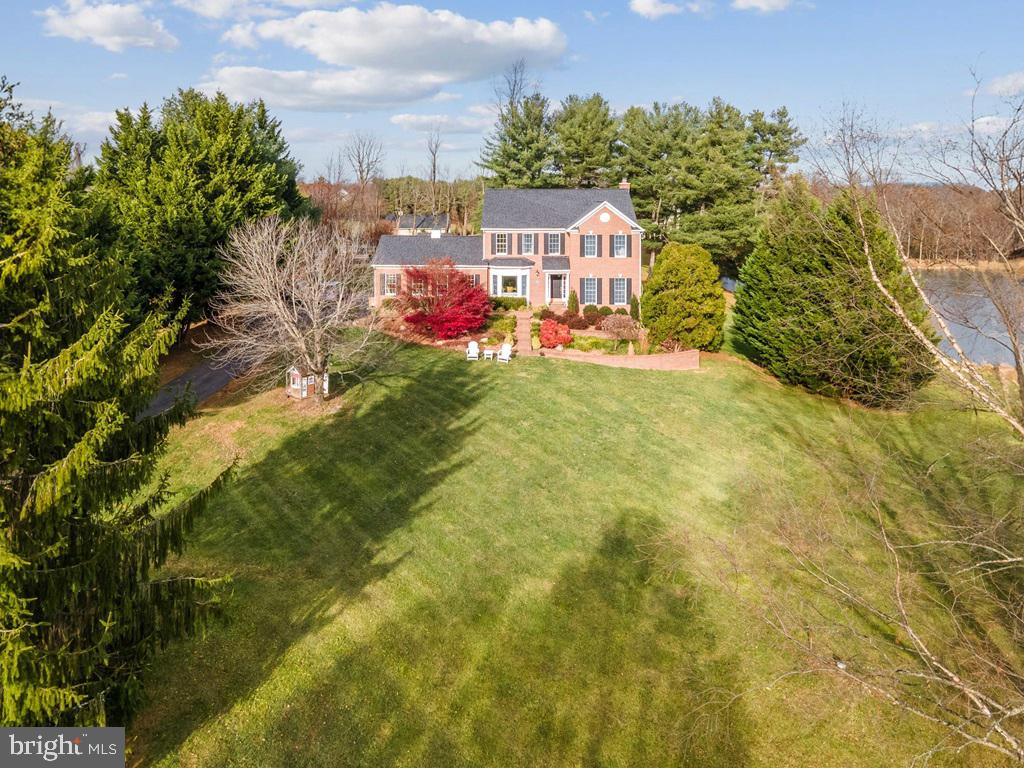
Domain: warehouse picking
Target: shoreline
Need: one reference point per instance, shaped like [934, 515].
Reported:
[1017, 266]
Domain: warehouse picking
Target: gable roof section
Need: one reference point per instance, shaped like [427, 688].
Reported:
[417, 250]
[419, 221]
[549, 208]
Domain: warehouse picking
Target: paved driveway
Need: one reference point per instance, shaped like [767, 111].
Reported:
[206, 381]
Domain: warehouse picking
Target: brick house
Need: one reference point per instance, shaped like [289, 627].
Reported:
[537, 244]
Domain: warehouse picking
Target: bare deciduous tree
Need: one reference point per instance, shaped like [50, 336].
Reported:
[365, 155]
[939, 632]
[433, 151]
[295, 293]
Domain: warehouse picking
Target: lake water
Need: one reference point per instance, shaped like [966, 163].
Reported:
[959, 296]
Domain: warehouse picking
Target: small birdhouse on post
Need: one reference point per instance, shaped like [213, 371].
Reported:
[301, 384]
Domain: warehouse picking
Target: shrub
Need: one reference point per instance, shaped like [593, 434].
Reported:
[590, 309]
[576, 322]
[808, 311]
[547, 314]
[572, 306]
[553, 333]
[606, 311]
[442, 301]
[684, 304]
[621, 327]
[508, 302]
[622, 311]
[634, 307]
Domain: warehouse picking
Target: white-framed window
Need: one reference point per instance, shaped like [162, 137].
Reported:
[509, 285]
[475, 280]
[619, 246]
[501, 242]
[618, 290]
[554, 243]
[390, 285]
[590, 246]
[589, 290]
[528, 244]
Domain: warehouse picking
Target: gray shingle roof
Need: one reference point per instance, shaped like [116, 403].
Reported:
[420, 221]
[555, 263]
[413, 250]
[548, 208]
[510, 261]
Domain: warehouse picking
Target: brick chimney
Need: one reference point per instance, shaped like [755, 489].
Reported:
[624, 184]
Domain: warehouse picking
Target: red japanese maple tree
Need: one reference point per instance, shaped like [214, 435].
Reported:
[442, 301]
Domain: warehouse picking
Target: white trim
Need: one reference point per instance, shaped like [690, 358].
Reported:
[533, 244]
[611, 292]
[517, 272]
[498, 250]
[547, 250]
[398, 280]
[616, 211]
[547, 284]
[583, 290]
[406, 266]
[583, 246]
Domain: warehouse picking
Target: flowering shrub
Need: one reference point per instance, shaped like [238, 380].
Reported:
[441, 301]
[553, 333]
[621, 327]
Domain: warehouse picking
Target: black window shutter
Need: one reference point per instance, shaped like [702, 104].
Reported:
[599, 281]
[494, 243]
[543, 247]
[629, 245]
[508, 243]
[383, 279]
[561, 244]
[629, 289]
[599, 239]
[519, 243]
[582, 293]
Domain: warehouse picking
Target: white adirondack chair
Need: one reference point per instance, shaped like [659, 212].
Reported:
[473, 351]
[505, 354]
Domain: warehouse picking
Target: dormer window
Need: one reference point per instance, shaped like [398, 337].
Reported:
[501, 243]
[554, 243]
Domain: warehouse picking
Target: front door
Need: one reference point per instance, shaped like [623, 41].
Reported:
[557, 287]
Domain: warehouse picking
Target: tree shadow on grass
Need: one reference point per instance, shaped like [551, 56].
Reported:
[303, 529]
[612, 663]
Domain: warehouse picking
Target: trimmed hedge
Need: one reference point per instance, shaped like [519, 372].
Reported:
[508, 302]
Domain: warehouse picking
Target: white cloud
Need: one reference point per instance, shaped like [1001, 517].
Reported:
[764, 6]
[595, 17]
[391, 55]
[110, 25]
[245, 9]
[988, 125]
[118, 76]
[91, 123]
[654, 9]
[405, 38]
[446, 96]
[241, 35]
[1007, 85]
[349, 90]
[443, 123]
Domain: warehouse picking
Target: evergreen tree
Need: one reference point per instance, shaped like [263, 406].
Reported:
[80, 609]
[520, 152]
[683, 304]
[584, 136]
[776, 140]
[808, 311]
[718, 210]
[178, 185]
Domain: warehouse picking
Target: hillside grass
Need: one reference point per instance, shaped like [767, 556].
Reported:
[539, 564]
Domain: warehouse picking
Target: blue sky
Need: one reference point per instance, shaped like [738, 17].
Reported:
[328, 68]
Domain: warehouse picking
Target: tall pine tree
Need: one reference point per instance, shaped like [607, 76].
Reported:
[179, 184]
[81, 606]
[584, 139]
[520, 150]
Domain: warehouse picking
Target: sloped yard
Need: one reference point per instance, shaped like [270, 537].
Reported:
[540, 564]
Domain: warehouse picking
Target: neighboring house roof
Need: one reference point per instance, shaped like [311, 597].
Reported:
[510, 261]
[555, 263]
[420, 221]
[396, 250]
[548, 208]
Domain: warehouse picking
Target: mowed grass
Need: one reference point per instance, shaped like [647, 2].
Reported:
[541, 564]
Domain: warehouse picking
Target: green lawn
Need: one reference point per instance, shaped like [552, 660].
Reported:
[540, 564]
